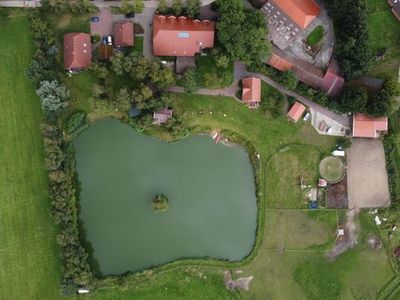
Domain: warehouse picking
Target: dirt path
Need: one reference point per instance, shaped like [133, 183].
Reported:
[349, 240]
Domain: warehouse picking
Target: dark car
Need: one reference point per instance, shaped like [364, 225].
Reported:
[130, 15]
[94, 19]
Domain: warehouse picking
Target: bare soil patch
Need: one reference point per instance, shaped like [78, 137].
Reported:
[367, 177]
[337, 195]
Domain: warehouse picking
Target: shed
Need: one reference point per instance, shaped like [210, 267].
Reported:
[134, 112]
[296, 111]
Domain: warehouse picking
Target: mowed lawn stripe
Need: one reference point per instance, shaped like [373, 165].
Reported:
[29, 260]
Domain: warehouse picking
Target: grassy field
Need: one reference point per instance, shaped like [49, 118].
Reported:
[384, 33]
[29, 259]
[315, 36]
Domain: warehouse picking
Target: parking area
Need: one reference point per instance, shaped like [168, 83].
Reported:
[327, 126]
[367, 177]
[101, 24]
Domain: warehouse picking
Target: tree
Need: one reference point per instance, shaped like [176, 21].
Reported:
[289, 79]
[177, 7]
[98, 91]
[117, 63]
[131, 6]
[162, 7]
[160, 203]
[100, 69]
[123, 100]
[141, 96]
[189, 80]
[353, 99]
[161, 76]
[53, 96]
[222, 61]
[193, 8]
[242, 32]
[352, 41]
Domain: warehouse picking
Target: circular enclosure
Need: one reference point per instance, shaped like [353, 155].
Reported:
[332, 169]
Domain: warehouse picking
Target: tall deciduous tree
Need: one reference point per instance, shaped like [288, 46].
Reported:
[53, 96]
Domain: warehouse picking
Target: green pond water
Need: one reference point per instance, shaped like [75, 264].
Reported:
[212, 203]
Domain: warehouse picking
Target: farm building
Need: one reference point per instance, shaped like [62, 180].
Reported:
[181, 36]
[369, 127]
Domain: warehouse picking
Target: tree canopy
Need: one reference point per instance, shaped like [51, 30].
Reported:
[242, 32]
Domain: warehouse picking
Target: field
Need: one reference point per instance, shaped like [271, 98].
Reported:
[29, 259]
[290, 263]
[384, 33]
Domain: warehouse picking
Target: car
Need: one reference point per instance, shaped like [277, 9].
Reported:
[94, 19]
[130, 16]
[306, 117]
[109, 40]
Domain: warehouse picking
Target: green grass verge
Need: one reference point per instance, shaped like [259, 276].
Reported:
[29, 257]
[315, 36]
[384, 33]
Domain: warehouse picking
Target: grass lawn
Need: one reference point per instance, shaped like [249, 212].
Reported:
[384, 33]
[29, 258]
[284, 173]
[315, 36]
[138, 47]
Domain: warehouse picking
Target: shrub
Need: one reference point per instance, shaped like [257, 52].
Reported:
[76, 123]
[53, 96]
[160, 203]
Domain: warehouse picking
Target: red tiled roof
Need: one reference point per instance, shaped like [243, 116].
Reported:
[302, 12]
[77, 51]
[181, 36]
[251, 92]
[369, 127]
[296, 111]
[279, 63]
[123, 34]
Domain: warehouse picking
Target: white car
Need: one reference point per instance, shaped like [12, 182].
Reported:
[109, 40]
[306, 117]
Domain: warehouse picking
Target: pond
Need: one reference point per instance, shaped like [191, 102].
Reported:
[212, 203]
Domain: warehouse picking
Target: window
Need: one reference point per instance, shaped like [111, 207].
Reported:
[183, 35]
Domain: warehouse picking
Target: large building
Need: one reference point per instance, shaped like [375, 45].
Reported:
[77, 51]
[181, 36]
[369, 127]
[288, 18]
[330, 81]
[123, 34]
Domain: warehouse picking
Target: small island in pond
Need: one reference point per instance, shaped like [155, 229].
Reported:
[160, 203]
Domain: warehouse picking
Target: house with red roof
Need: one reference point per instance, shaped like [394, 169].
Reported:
[181, 36]
[77, 51]
[251, 91]
[369, 127]
[296, 111]
[123, 34]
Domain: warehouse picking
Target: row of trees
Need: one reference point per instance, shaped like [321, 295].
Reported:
[352, 41]
[59, 157]
[60, 162]
[68, 6]
[192, 8]
[357, 99]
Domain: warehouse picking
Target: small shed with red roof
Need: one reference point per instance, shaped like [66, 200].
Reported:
[77, 51]
[369, 127]
[181, 36]
[162, 116]
[123, 34]
[251, 92]
[296, 111]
